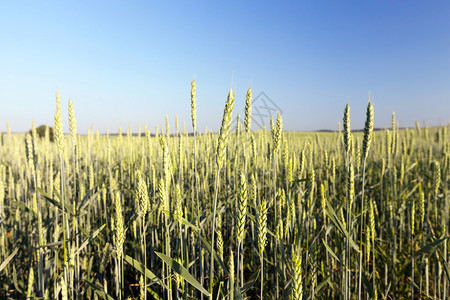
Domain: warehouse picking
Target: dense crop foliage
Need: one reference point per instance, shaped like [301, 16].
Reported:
[288, 215]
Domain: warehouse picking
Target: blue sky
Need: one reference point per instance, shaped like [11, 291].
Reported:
[129, 63]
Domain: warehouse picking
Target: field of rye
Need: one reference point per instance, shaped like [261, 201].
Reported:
[240, 214]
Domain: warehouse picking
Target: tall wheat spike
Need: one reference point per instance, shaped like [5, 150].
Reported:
[72, 123]
[248, 111]
[222, 143]
[347, 133]
[368, 130]
[194, 105]
[224, 132]
[262, 238]
[59, 135]
[243, 197]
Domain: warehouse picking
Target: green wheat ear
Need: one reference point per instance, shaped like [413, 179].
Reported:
[167, 168]
[30, 154]
[167, 127]
[368, 130]
[30, 282]
[346, 121]
[194, 105]
[277, 134]
[372, 219]
[219, 242]
[421, 204]
[162, 195]
[141, 289]
[64, 292]
[242, 209]
[436, 176]
[72, 123]
[225, 129]
[351, 185]
[178, 203]
[262, 227]
[120, 231]
[142, 194]
[59, 135]
[231, 269]
[323, 200]
[297, 289]
[248, 111]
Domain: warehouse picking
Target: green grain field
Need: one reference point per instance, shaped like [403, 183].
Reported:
[159, 213]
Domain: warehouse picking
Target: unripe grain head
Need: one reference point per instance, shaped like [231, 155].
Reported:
[225, 130]
[194, 105]
[59, 135]
[368, 131]
[346, 122]
[248, 111]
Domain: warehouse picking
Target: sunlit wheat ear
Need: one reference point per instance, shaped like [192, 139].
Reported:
[142, 194]
[167, 126]
[59, 135]
[30, 283]
[285, 154]
[297, 289]
[351, 185]
[262, 227]
[162, 195]
[368, 244]
[148, 140]
[388, 143]
[372, 219]
[194, 105]
[141, 288]
[166, 162]
[242, 209]
[72, 258]
[178, 203]
[358, 154]
[436, 176]
[253, 192]
[231, 269]
[322, 200]
[277, 134]
[421, 204]
[368, 130]
[219, 236]
[253, 145]
[290, 171]
[311, 183]
[120, 231]
[346, 122]
[72, 123]
[248, 110]
[302, 162]
[64, 292]
[225, 129]
[30, 154]
[291, 217]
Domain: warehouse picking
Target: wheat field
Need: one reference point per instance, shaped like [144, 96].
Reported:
[241, 214]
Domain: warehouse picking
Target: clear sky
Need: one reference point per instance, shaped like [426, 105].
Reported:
[131, 62]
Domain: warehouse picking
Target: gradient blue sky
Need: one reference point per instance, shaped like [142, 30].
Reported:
[130, 62]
